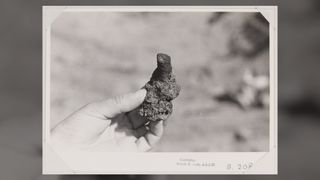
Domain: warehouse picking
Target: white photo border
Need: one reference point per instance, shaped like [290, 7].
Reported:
[162, 162]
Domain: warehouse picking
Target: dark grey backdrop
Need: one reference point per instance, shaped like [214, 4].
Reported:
[21, 83]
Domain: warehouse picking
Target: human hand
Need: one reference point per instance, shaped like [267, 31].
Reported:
[108, 125]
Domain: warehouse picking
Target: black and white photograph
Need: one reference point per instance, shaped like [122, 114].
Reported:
[163, 90]
[159, 90]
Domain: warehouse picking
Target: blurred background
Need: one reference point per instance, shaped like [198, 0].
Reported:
[221, 61]
[20, 90]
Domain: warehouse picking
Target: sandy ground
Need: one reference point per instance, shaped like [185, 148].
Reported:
[100, 55]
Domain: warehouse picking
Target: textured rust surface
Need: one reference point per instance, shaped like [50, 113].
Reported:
[161, 90]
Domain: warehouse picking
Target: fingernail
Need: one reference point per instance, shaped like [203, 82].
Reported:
[141, 94]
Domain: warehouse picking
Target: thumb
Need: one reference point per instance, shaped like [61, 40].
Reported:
[121, 104]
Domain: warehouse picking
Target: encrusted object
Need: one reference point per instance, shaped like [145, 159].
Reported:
[161, 90]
